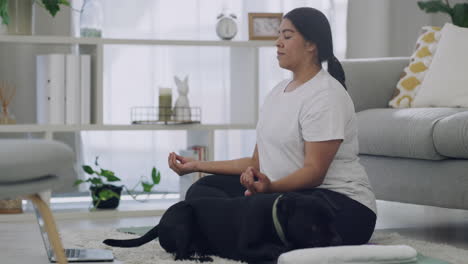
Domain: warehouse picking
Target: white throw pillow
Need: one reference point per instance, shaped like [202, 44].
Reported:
[363, 254]
[446, 82]
[413, 74]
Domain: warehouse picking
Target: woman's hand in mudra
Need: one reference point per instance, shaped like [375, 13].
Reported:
[255, 181]
[181, 165]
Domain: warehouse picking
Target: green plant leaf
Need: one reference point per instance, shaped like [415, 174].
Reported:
[434, 6]
[95, 181]
[460, 15]
[106, 173]
[147, 186]
[78, 182]
[107, 194]
[113, 178]
[110, 175]
[94, 196]
[155, 175]
[64, 2]
[53, 6]
[4, 12]
[88, 169]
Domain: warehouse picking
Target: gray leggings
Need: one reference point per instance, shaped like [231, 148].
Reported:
[354, 222]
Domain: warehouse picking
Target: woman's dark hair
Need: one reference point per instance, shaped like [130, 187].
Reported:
[314, 27]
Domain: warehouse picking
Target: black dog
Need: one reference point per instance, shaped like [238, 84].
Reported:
[242, 228]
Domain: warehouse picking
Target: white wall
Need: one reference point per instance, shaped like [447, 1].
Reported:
[368, 31]
[386, 28]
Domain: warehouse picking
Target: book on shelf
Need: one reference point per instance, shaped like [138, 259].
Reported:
[72, 89]
[63, 84]
[50, 82]
[85, 87]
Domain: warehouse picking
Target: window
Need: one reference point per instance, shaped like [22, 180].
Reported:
[133, 75]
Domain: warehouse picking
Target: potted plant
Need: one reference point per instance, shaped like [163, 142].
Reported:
[18, 14]
[104, 193]
[53, 6]
[458, 12]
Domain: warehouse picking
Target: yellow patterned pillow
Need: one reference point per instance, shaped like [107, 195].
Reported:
[414, 73]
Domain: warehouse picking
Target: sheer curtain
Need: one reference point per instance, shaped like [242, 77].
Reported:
[133, 75]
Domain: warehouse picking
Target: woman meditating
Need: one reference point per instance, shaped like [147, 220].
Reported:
[306, 136]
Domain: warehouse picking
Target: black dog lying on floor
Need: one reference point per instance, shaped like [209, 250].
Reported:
[242, 228]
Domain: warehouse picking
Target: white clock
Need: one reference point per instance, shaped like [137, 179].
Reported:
[226, 28]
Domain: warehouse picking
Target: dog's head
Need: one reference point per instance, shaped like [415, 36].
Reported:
[307, 221]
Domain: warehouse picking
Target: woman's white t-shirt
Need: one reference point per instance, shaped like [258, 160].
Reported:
[318, 110]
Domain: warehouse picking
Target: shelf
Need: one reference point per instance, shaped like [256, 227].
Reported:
[218, 43]
[66, 208]
[31, 128]
[111, 41]
[46, 40]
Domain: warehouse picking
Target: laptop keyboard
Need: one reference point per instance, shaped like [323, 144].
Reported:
[72, 253]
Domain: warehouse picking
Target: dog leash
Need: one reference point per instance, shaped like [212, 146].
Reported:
[277, 224]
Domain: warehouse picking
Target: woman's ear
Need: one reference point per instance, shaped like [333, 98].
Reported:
[310, 46]
[312, 51]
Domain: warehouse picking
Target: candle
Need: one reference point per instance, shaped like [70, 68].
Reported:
[165, 104]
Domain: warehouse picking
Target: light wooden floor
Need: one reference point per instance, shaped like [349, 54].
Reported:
[20, 242]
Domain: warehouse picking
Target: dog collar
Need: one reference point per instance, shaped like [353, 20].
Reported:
[277, 224]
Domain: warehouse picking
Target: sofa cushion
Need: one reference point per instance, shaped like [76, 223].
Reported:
[405, 133]
[445, 84]
[413, 75]
[451, 135]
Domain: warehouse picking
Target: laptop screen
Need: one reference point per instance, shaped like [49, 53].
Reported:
[43, 232]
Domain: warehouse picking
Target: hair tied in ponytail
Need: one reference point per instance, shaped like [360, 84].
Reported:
[336, 70]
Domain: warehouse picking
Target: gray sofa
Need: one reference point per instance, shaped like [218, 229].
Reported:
[412, 155]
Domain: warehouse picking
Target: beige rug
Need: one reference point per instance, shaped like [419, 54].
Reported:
[153, 253]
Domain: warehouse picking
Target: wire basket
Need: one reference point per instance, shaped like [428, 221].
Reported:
[147, 115]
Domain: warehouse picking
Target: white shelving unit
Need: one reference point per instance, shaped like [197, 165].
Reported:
[244, 76]
[103, 41]
[77, 128]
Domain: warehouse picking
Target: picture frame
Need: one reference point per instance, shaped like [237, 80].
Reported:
[264, 26]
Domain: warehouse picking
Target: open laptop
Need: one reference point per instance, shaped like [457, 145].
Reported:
[73, 254]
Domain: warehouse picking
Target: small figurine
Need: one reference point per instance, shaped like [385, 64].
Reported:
[181, 112]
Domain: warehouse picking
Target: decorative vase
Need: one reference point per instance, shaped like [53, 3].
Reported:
[182, 111]
[11, 206]
[111, 203]
[165, 104]
[7, 92]
[91, 19]
[6, 117]
[20, 12]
